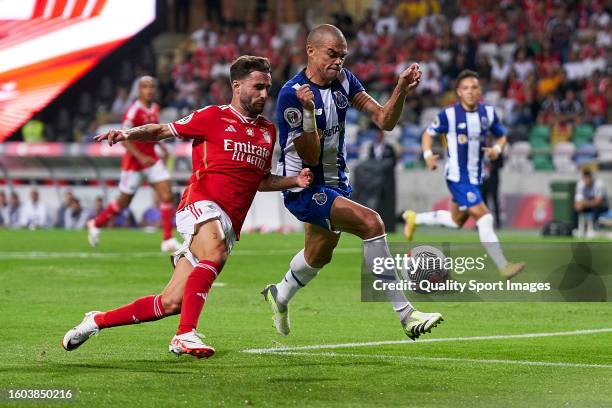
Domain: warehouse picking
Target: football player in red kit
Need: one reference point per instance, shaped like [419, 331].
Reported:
[231, 156]
[140, 161]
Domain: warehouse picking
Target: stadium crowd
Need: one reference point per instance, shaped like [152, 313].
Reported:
[34, 213]
[541, 63]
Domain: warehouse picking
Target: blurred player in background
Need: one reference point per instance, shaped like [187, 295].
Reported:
[141, 162]
[311, 110]
[231, 157]
[465, 125]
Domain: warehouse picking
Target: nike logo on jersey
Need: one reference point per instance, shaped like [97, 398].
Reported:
[230, 128]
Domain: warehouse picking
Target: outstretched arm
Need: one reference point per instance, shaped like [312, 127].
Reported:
[146, 133]
[387, 116]
[273, 182]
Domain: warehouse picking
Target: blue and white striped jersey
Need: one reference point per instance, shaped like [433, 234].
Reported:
[465, 136]
[331, 104]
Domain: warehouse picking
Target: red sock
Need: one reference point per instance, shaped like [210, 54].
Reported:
[196, 289]
[145, 309]
[167, 217]
[111, 209]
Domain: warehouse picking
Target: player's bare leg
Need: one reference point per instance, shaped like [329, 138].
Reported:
[319, 245]
[488, 238]
[166, 209]
[145, 309]
[455, 218]
[113, 208]
[349, 216]
[208, 245]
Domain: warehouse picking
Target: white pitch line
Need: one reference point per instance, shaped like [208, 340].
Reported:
[435, 340]
[66, 255]
[449, 359]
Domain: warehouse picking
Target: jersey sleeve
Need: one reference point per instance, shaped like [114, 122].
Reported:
[288, 115]
[599, 189]
[354, 85]
[129, 118]
[439, 125]
[268, 168]
[497, 129]
[192, 126]
[579, 196]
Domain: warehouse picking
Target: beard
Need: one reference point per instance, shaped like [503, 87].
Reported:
[254, 108]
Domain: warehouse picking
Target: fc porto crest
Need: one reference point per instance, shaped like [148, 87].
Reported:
[320, 198]
[484, 122]
[341, 100]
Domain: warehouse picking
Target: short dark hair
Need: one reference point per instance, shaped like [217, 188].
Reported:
[466, 73]
[244, 65]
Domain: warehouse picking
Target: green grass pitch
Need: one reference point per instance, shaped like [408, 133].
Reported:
[48, 279]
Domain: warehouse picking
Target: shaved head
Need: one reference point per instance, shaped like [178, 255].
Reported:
[326, 49]
[324, 33]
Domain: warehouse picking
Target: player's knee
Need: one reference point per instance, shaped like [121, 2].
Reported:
[216, 253]
[373, 225]
[172, 305]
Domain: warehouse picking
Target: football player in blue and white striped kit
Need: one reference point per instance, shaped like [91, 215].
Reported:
[311, 110]
[465, 125]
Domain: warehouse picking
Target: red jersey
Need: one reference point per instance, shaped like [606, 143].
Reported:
[138, 115]
[231, 154]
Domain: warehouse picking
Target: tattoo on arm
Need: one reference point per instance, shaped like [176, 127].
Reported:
[362, 99]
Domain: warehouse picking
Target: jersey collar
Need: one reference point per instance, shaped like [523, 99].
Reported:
[243, 118]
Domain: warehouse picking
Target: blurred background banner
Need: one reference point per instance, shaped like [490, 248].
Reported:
[46, 45]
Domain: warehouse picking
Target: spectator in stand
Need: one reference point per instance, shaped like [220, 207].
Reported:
[14, 211]
[97, 208]
[33, 131]
[34, 213]
[75, 216]
[387, 21]
[522, 65]
[550, 110]
[572, 110]
[61, 211]
[3, 209]
[597, 106]
[500, 68]
[151, 217]
[343, 20]
[124, 219]
[120, 104]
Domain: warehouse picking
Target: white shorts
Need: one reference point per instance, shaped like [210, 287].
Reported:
[131, 179]
[195, 214]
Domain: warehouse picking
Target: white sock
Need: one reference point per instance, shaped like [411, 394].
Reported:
[489, 240]
[377, 248]
[439, 218]
[298, 276]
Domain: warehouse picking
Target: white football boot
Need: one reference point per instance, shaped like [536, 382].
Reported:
[419, 323]
[190, 343]
[170, 245]
[93, 233]
[81, 332]
[280, 315]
